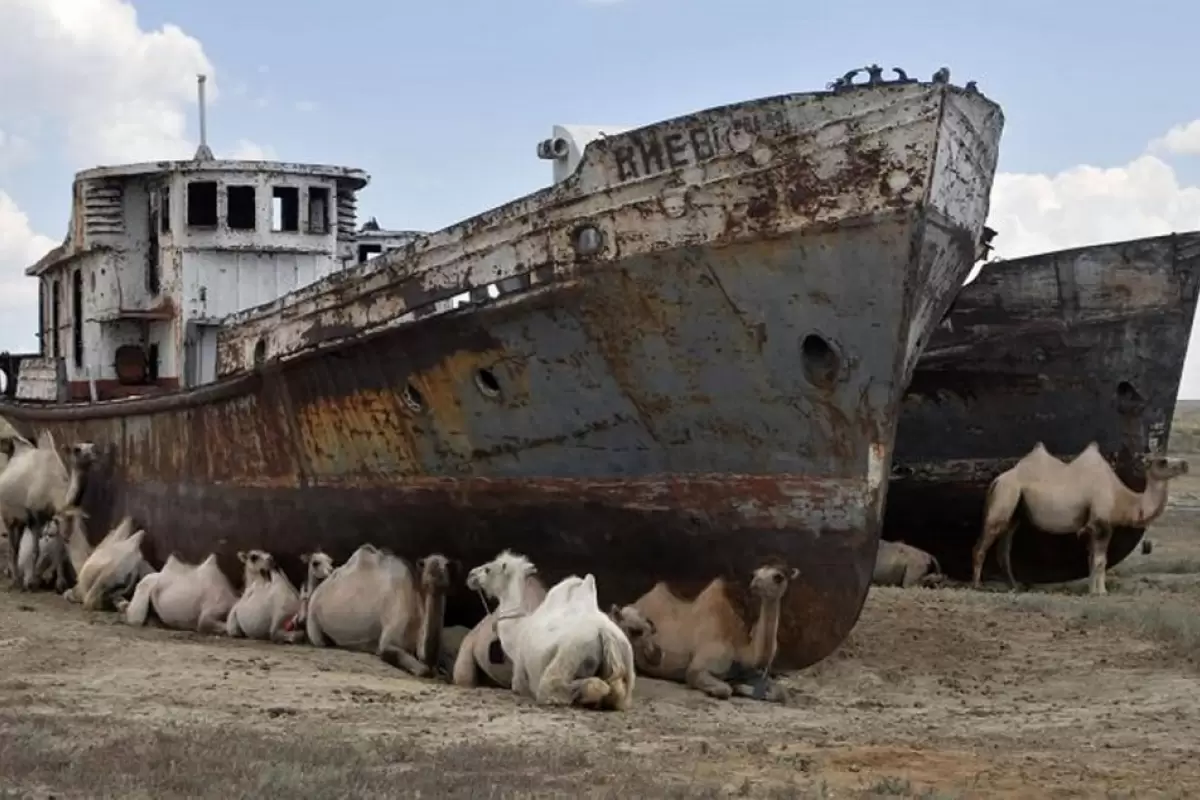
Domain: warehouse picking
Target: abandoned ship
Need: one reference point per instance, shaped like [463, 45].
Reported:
[682, 360]
[1064, 348]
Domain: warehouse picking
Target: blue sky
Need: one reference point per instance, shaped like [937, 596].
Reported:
[443, 103]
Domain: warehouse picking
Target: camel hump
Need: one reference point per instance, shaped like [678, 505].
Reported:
[45, 440]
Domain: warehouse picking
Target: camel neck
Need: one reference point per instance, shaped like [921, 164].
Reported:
[1150, 503]
[433, 614]
[764, 637]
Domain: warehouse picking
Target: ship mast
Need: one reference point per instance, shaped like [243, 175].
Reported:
[203, 153]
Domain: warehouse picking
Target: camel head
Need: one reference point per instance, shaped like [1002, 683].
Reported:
[83, 454]
[65, 519]
[319, 566]
[1163, 468]
[256, 563]
[435, 571]
[505, 570]
[771, 582]
[640, 630]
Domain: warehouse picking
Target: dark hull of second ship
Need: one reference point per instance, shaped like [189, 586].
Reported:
[1064, 348]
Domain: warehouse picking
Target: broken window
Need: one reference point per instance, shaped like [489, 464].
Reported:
[55, 317]
[239, 208]
[318, 209]
[164, 209]
[77, 318]
[285, 208]
[368, 251]
[202, 204]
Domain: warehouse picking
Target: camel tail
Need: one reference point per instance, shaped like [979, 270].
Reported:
[937, 567]
[614, 668]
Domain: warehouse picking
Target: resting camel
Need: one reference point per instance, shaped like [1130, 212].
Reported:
[1080, 496]
[319, 566]
[564, 652]
[190, 597]
[901, 564]
[480, 653]
[268, 601]
[704, 642]
[376, 600]
[35, 484]
[53, 562]
[108, 572]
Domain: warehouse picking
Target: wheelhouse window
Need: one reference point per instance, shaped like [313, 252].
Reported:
[318, 209]
[285, 209]
[202, 204]
[240, 209]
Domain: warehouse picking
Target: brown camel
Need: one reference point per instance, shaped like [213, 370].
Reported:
[1081, 496]
[704, 642]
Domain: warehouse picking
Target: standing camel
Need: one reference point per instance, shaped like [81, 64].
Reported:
[1081, 496]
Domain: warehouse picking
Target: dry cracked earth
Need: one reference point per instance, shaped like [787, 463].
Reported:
[938, 693]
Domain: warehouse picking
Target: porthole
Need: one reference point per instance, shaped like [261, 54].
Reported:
[485, 381]
[820, 360]
[412, 398]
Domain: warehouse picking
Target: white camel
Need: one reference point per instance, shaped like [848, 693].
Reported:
[1081, 496]
[268, 602]
[319, 566]
[108, 572]
[902, 564]
[190, 597]
[36, 484]
[564, 652]
[376, 601]
[480, 653]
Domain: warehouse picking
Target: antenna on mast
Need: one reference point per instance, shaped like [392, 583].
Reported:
[203, 153]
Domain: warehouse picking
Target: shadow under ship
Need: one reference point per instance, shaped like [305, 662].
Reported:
[689, 360]
[1065, 348]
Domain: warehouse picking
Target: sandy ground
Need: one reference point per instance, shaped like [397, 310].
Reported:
[938, 693]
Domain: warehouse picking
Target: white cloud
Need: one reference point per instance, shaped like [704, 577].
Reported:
[246, 150]
[306, 106]
[20, 246]
[1180, 140]
[85, 75]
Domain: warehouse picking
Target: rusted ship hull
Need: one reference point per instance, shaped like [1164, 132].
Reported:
[714, 387]
[1063, 348]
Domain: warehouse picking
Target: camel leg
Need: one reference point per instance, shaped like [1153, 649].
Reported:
[991, 532]
[233, 629]
[465, 672]
[771, 691]
[395, 655]
[212, 621]
[1099, 535]
[560, 687]
[702, 673]
[14, 544]
[137, 609]
[520, 679]
[1005, 553]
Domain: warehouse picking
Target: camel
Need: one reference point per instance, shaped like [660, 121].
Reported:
[190, 597]
[1080, 496]
[901, 564]
[319, 566]
[36, 484]
[566, 651]
[53, 563]
[268, 601]
[704, 642]
[376, 600]
[480, 654]
[108, 572]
